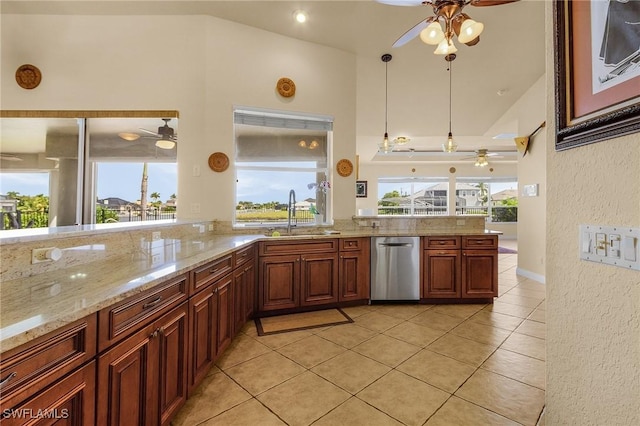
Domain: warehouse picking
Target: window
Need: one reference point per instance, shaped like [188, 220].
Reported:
[282, 168]
[134, 179]
[496, 198]
[54, 175]
[413, 196]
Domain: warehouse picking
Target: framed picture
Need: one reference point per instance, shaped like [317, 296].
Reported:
[361, 188]
[597, 67]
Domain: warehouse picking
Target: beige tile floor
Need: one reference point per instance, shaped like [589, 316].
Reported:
[395, 365]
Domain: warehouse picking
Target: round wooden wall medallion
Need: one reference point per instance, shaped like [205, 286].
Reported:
[286, 87]
[218, 161]
[28, 76]
[344, 167]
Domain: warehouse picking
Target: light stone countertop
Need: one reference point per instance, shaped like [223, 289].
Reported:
[35, 305]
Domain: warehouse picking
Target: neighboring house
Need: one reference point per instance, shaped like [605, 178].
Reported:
[436, 196]
[7, 204]
[118, 204]
[505, 194]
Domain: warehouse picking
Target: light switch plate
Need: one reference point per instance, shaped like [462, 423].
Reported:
[612, 245]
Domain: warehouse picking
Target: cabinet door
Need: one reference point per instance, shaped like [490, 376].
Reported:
[319, 279]
[225, 313]
[250, 285]
[441, 274]
[203, 334]
[479, 273]
[70, 401]
[279, 287]
[354, 278]
[239, 300]
[128, 381]
[173, 349]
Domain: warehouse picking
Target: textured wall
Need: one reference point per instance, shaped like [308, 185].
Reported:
[593, 324]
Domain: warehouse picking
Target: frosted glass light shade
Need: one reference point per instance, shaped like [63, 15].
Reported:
[446, 47]
[469, 30]
[165, 144]
[433, 34]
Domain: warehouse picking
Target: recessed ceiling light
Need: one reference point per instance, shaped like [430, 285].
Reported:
[300, 16]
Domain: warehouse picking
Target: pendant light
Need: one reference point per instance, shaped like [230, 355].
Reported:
[450, 146]
[386, 145]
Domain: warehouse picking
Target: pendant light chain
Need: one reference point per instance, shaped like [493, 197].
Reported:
[450, 65]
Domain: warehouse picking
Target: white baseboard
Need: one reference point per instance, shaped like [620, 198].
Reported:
[532, 276]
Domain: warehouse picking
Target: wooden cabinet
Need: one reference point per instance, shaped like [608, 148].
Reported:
[299, 273]
[480, 267]
[318, 278]
[143, 379]
[458, 268]
[55, 373]
[244, 283]
[441, 270]
[118, 321]
[354, 269]
[70, 401]
[203, 334]
[225, 313]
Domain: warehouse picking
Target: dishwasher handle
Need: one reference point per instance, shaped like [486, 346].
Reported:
[396, 244]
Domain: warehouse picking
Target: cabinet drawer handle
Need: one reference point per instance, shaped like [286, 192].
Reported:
[154, 334]
[442, 243]
[8, 378]
[442, 252]
[215, 290]
[152, 303]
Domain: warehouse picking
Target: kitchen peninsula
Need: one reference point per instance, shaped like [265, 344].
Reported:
[171, 298]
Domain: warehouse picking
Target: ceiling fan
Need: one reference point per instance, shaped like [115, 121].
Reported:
[449, 13]
[481, 157]
[167, 138]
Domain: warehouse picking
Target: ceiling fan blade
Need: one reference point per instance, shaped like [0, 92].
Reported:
[413, 32]
[149, 132]
[491, 2]
[401, 2]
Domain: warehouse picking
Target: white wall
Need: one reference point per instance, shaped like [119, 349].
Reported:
[593, 310]
[200, 66]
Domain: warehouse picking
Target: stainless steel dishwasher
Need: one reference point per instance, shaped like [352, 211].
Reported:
[395, 268]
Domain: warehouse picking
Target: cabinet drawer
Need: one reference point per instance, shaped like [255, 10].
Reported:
[442, 242]
[298, 246]
[480, 242]
[30, 368]
[243, 256]
[353, 244]
[120, 320]
[210, 272]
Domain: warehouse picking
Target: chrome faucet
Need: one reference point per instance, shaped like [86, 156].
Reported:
[291, 210]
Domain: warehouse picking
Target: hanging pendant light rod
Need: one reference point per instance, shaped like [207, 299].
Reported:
[386, 58]
[386, 146]
[450, 65]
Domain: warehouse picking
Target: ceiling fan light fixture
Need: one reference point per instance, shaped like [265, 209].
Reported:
[129, 136]
[433, 34]
[401, 140]
[165, 144]
[481, 161]
[446, 47]
[469, 30]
